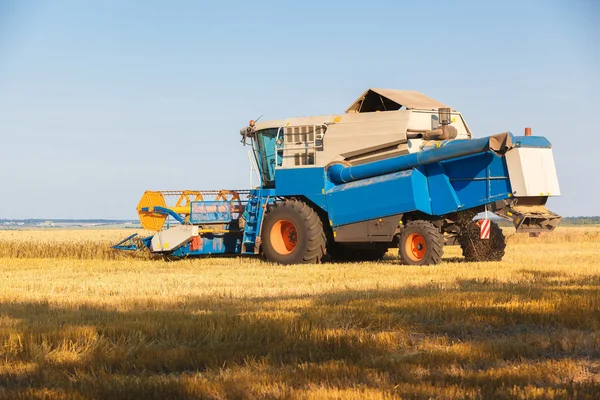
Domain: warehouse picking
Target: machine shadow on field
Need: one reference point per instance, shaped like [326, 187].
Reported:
[392, 258]
[473, 337]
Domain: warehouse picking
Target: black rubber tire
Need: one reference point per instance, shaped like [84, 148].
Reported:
[311, 241]
[434, 243]
[341, 253]
[475, 249]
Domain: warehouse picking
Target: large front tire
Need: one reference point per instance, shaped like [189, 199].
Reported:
[476, 249]
[292, 233]
[421, 243]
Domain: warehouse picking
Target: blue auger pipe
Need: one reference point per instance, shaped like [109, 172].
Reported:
[126, 244]
[338, 173]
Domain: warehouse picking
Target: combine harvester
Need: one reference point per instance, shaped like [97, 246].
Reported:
[398, 169]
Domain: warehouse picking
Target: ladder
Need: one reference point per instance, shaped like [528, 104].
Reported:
[254, 215]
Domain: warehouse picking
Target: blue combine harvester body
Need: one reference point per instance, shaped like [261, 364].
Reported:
[352, 197]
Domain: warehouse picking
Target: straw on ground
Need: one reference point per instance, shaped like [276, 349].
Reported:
[89, 323]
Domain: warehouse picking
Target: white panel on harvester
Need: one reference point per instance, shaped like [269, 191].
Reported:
[172, 238]
[532, 172]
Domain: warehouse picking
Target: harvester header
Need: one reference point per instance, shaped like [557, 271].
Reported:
[397, 169]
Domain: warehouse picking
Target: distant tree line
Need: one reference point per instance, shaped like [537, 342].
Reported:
[566, 221]
[580, 221]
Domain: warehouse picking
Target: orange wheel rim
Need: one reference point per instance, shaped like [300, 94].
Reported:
[284, 237]
[416, 247]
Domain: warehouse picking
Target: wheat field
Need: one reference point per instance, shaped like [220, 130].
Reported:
[80, 321]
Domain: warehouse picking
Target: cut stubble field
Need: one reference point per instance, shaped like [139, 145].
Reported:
[78, 320]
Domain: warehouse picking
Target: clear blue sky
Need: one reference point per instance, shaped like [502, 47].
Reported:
[101, 100]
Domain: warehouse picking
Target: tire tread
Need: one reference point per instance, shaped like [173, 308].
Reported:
[316, 240]
[475, 249]
[436, 242]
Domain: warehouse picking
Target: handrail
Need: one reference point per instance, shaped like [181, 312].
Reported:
[308, 144]
[254, 170]
[277, 146]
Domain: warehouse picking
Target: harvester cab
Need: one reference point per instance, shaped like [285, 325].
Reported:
[397, 169]
[264, 151]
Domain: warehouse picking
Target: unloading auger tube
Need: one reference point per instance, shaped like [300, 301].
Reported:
[397, 169]
[499, 144]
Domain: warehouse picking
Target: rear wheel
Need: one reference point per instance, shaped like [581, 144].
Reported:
[292, 233]
[476, 249]
[421, 243]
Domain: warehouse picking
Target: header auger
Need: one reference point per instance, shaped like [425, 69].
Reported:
[398, 169]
